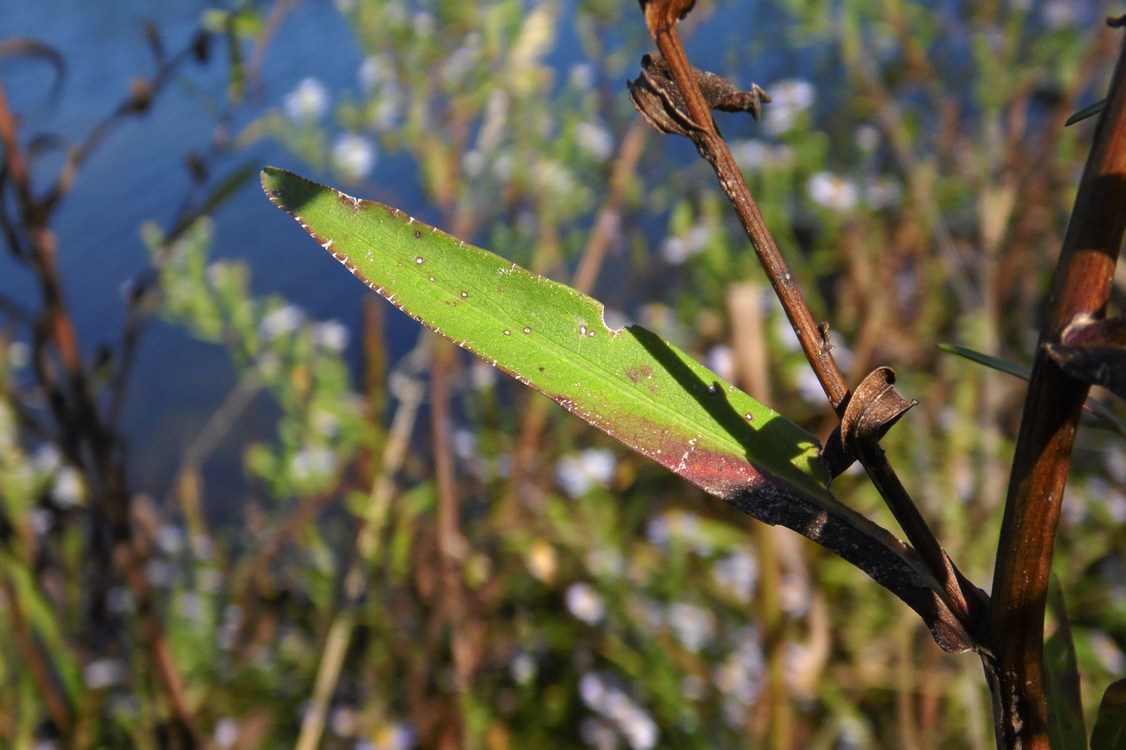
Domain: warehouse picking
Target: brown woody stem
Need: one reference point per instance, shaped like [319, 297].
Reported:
[1081, 286]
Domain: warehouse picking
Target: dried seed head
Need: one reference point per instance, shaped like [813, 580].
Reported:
[656, 96]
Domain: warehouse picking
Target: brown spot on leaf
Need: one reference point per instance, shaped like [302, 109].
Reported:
[637, 374]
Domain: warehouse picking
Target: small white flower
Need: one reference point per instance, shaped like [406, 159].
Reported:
[834, 192]
[191, 607]
[228, 630]
[18, 354]
[47, 458]
[473, 164]
[593, 690]
[737, 574]
[325, 423]
[752, 154]
[504, 166]
[313, 463]
[1060, 13]
[281, 321]
[692, 625]
[103, 673]
[170, 539]
[554, 178]
[578, 473]
[595, 140]
[307, 102]
[482, 376]
[581, 76]
[639, 729]
[461, 61]
[353, 156]
[809, 387]
[342, 721]
[1107, 652]
[226, 733]
[375, 71]
[522, 668]
[464, 443]
[628, 717]
[423, 23]
[584, 603]
[681, 527]
[1115, 460]
[795, 594]
[789, 99]
[740, 674]
[69, 490]
[721, 360]
[331, 335]
[678, 249]
[605, 562]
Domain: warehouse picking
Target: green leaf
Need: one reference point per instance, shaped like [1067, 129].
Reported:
[1104, 414]
[995, 363]
[1110, 724]
[1065, 709]
[1089, 111]
[628, 382]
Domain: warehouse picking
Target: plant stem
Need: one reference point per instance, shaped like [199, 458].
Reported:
[963, 598]
[714, 149]
[1081, 286]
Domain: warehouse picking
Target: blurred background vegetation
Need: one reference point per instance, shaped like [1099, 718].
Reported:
[243, 504]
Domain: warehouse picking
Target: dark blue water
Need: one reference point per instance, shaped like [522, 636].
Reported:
[138, 175]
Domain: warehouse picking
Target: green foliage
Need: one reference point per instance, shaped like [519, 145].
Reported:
[524, 583]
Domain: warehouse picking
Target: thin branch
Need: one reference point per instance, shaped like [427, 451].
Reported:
[964, 599]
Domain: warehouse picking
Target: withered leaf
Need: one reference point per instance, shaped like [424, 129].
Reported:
[656, 96]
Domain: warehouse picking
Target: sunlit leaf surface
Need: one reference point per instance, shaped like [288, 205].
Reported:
[628, 382]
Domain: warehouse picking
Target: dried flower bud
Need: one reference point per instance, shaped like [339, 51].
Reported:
[657, 98]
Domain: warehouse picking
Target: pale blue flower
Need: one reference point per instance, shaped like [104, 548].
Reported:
[331, 335]
[103, 673]
[789, 100]
[595, 140]
[834, 192]
[353, 156]
[307, 102]
[737, 574]
[692, 625]
[578, 473]
[584, 603]
[281, 321]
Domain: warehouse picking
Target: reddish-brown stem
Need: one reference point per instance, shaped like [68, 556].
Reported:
[713, 148]
[1081, 286]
